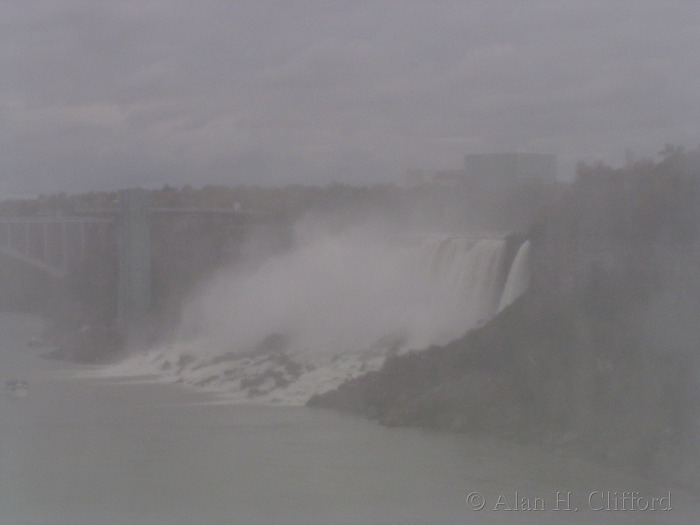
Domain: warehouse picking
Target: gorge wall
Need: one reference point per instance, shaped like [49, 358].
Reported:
[598, 357]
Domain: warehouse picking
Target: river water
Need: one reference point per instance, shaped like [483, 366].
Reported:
[80, 450]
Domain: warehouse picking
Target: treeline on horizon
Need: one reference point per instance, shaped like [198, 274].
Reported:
[652, 186]
[642, 201]
[244, 198]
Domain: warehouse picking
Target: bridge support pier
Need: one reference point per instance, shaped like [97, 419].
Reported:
[134, 286]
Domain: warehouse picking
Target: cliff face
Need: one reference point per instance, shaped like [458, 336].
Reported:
[598, 357]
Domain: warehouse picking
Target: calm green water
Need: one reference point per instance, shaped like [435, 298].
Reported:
[100, 452]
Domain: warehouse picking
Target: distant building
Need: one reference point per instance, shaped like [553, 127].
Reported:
[496, 169]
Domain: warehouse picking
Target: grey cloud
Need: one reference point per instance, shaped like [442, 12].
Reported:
[109, 93]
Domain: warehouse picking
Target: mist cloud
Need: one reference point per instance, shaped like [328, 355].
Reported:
[317, 295]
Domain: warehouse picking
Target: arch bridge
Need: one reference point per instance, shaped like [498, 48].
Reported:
[58, 246]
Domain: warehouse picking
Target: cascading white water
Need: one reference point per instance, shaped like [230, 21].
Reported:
[518, 277]
[331, 309]
[466, 275]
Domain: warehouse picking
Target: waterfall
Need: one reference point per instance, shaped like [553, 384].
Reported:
[333, 308]
[468, 276]
[518, 277]
[475, 277]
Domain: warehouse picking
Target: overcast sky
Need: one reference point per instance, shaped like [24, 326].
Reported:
[112, 94]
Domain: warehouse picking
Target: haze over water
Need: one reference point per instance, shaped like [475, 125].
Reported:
[85, 451]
